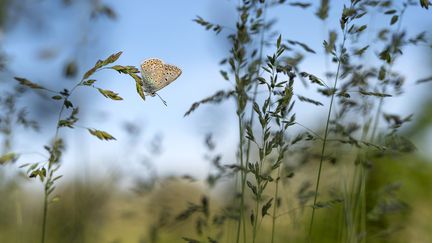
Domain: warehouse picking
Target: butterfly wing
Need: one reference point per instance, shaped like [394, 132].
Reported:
[170, 74]
[152, 71]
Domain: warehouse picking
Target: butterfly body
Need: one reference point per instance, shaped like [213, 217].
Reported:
[156, 75]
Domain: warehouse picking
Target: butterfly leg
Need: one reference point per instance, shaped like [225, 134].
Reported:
[163, 101]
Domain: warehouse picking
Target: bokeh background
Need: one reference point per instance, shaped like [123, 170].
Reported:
[43, 39]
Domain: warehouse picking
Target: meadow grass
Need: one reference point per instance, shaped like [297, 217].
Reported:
[337, 184]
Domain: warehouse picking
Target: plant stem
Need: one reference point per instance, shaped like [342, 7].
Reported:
[45, 212]
[250, 123]
[262, 159]
[326, 134]
[48, 180]
[381, 103]
[255, 228]
[376, 120]
[243, 178]
[275, 204]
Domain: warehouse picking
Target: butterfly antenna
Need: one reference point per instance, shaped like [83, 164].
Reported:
[163, 101]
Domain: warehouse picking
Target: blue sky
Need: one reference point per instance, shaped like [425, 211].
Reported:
[164, 29]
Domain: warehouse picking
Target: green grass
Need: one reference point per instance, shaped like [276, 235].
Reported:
[355, 179]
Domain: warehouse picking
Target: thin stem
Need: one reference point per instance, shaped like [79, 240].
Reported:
[48, 180]
[325, 135]
[256, 218]
[275, 204]
[310, 130]
[363, 228]
[243, 178]
[45, 212]
[250, 123]
[260, 168]
[381, 103]
[376, 120]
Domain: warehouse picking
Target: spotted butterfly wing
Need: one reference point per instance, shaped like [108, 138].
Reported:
[156, 75]
[171, 73]
[152, 71]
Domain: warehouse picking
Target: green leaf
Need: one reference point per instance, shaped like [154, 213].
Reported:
[279, 41]
[424, 80]
[125, 69]
[300, 4]
[361, 28]
[89, 82]
[65, 123]
[8, 157]
[424, 4]
[89, 73]
[70, 69]
[28, 83]
[266, 207]
[207, 25]
[32, 167]
[68, 104]
[329, 45]
[110, 94]
[303, 45]
[140, 90]
[102, 135]
[309, 100]
[377, 94]
[102, 63]
[323, 10]
[57, 97]
[385, 55]
[24, 165]
[359, 52]
[391, 11]
[394, 19]
[71, 120]
[41, 173]
[313, 78]
[114, 57]
[218, 97]
[382, 73]
[136, 78]
[249, 133]
[224, 75]
[252, 187]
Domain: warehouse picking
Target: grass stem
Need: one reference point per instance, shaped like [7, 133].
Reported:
[325, 137]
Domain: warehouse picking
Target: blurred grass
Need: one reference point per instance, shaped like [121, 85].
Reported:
[100, 211]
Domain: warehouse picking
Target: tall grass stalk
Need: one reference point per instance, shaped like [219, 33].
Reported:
[359, 197]
[251, 122]
[269, 141]
[276, 195]
[242, 165]
[323, 149]
[46, 171]
[243, 182]
[48, 186]
[381, 102]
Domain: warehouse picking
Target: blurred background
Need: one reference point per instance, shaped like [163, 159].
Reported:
[119, 191]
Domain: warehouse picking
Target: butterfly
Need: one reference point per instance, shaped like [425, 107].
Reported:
[156, 75]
